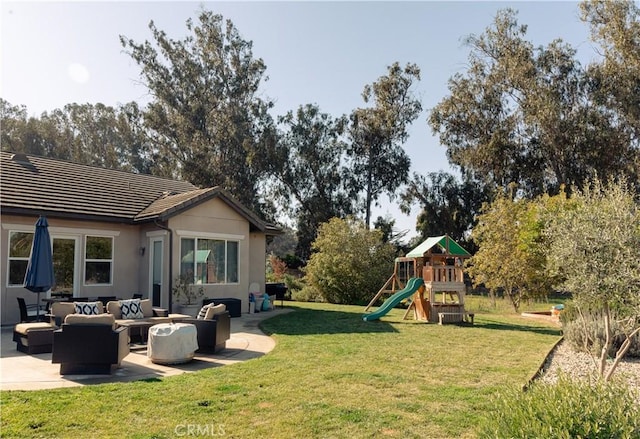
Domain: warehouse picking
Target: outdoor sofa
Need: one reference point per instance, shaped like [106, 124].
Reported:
[146, 316]
[233, 306]
[140, 317]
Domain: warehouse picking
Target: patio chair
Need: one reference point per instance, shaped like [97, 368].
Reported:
[89, 344]
[137, 296]
[32, 312]
[213, 330]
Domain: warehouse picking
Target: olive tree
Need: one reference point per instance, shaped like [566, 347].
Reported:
[594, 246]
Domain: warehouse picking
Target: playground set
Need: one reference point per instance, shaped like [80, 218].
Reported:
[431, 277]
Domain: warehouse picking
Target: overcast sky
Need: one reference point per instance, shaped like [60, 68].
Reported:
[55, 53]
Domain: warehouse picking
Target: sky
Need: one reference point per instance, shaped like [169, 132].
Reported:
[56, 53]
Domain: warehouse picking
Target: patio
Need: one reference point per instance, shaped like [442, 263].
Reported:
[20, 371]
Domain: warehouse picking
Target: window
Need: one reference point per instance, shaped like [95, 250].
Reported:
[212, 261]
[98, 260]
[19, 251]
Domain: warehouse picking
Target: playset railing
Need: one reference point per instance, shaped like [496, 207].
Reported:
[442, 273]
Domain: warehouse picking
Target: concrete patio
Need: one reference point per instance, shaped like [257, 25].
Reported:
[20, 371]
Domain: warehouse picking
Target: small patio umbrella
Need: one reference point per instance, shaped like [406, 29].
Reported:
[39, 276]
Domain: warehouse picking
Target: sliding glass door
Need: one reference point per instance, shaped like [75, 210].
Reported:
[65, 264]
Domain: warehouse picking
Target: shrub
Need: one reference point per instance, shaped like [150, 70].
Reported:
[594, 248]
[590, 334]
[277, 268]
[293, 261]
[350, 262]
[293, 284]
[307, 294]
[565, 410]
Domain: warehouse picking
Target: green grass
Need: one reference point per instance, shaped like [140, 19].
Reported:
[330, 375]
[482, 303]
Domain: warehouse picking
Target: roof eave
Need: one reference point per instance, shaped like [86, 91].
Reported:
[64, 215]
[256, 223]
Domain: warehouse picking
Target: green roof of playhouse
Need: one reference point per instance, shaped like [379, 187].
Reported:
[447, 244]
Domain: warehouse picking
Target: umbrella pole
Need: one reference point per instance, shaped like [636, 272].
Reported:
[38, 308]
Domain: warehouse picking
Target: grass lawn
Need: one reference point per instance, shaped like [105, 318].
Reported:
[330, 375]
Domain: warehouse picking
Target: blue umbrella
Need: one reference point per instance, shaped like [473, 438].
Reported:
[39, 276]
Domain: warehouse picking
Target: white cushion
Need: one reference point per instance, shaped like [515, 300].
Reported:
[131, 309]
[23, 328]
[87, 308]
[203, 311]
[214, 310]
[84, 319]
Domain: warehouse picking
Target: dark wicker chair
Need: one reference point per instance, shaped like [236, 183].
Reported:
[32, 312]
[89, 348]
[212, 334]
[234, 306]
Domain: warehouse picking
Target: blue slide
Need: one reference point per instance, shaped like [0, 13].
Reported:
[412, 286]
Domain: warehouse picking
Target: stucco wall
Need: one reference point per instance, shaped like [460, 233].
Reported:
[257, 254]
[126, 259]
[131, 264]
[215, 219]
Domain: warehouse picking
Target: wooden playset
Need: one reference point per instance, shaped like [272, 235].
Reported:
[439, 262]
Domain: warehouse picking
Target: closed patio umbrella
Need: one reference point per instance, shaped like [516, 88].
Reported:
[39, 276]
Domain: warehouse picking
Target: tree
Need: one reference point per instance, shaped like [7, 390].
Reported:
[615, 26]
[525, 115]
[615, 82]
[349, 262]
[283, 244]
[28, 135]
[510, 256]
[594, 247]
[378, 163]
[448, 206]
[390, 234]
[93, 134]
[140, 154]
[207, 113]
[308, 171]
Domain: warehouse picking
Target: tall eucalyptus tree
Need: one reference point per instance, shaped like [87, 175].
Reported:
[207, 113]
[377, 161]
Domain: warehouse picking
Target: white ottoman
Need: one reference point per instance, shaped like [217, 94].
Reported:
[172, 343]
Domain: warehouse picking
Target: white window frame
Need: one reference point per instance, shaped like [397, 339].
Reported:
[10, 258]
[87, 260]
[214, 237]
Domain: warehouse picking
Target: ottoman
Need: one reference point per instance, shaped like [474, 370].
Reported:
[33, 338]
[172, 343]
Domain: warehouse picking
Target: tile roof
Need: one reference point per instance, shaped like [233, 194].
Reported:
[37, 185]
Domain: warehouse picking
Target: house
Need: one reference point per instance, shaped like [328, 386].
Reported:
[116, 233]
